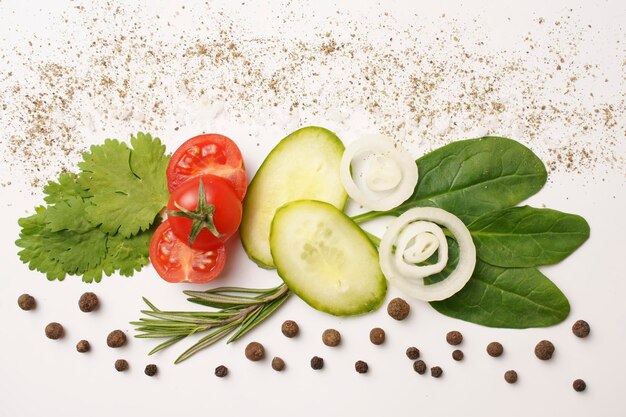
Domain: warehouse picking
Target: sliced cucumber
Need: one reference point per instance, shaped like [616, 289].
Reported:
[304, 165]
[326, 259]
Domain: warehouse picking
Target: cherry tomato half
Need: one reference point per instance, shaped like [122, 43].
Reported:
[208, 154]
[175, 261]
[204, 212]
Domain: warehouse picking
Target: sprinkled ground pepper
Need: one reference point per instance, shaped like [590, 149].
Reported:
[221, 371]
[317, 362]
[454, 338]
[255, 351]
[377, 336]
[116, 338]
[26, 302]
[151, 370]
[581, 328]
[544, 350]
[88, 302]
[510, 376]
[361, 367]
[331, 337]
[278, 364]
[457, 355]
[495, 349]
[398, 309]
[54, 331]
[290, 328]
[412, 353]
[83, 346]
[419, 367]
[436, 372]
[579, 385]
[121, 365]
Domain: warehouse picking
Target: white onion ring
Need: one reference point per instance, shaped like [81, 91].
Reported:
[392, 171]
[409, 278]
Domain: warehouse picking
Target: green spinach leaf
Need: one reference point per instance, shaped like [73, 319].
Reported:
[526, 236]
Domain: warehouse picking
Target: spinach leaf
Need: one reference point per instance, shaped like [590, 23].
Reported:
[516, 298]
[526, 236]
[472, 177]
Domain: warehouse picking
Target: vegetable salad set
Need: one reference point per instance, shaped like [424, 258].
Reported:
[455, 236]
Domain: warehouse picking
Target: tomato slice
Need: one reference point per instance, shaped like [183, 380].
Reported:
[208, 154]
[174, 261]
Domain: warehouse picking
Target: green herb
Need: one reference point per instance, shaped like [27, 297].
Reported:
[68, 237]
[472, 177]
[240, 310]
[527, 236]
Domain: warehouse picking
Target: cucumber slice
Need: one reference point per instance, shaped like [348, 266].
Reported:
[326, 259]
[303, 166]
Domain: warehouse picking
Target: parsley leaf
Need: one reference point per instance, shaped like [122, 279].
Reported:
[129, 186]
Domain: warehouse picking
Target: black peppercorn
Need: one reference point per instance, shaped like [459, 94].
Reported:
[151, 370]
[278, 364]
[544, 350]
[121, 365]
[26, 302]
[377, 336]
[412, 353]
[255, 351]
[361, 367]
[221, 371]
[398, 309]
[436, 372]
[116, 339]
[579, 385]
[54, 331]
[454, 338]
[290, 328]
[510, 376]
[331, 337]
[317, 363]
[581, 328]
[495, 349]
[88, 302]
[83, 346]
[419, 367]
[457, 355]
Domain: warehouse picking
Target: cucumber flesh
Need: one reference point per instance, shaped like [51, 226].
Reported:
[326, 259]
[304, 165]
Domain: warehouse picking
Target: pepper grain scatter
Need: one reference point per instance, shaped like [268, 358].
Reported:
[436, 371]
[419, 367]
[581, 328]
[88, 302]
[116, 339]
[398, 309]
[317, 363]
[495, 349]
[26, 302]
[457, 355]
[579, 385]
[151, 370]
[54, 331]
[278, 364]
[255, 351]
[544, 350]
[510, 376]
[121, 365]
[83, 346]
[412, 353]
[377, 336]
[221, 371]
[331, 337]
[454, 338]
[290, 328]
[361, 367]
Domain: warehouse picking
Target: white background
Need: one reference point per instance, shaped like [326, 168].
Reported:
[41, 376]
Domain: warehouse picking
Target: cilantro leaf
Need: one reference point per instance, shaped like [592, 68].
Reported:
[129, 186]
[67, 186]
[68, 215]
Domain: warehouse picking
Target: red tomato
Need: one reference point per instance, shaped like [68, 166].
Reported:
[209, 225]
[208, 154]
[174, 261]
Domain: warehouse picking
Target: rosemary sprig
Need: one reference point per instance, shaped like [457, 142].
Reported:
[239, 311]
